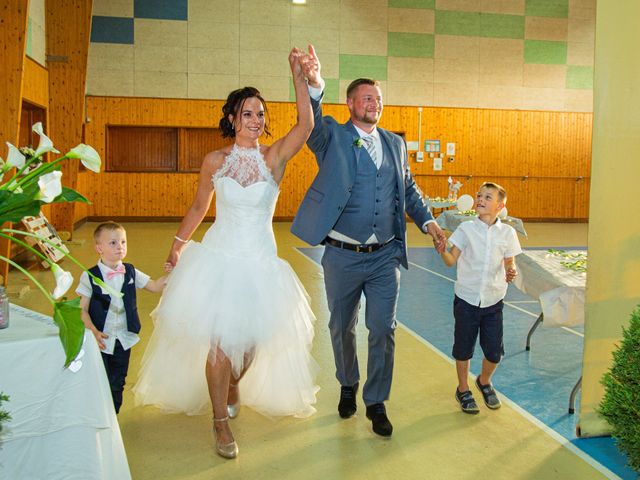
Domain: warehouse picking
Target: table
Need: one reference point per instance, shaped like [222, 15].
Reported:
[560, 291]
[64, 425]
[451, 219]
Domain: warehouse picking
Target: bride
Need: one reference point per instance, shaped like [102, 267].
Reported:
[231, 305]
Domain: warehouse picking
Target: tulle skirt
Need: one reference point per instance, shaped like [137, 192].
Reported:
[243, 306]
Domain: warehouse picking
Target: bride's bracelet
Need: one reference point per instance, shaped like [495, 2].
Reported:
[180, 239]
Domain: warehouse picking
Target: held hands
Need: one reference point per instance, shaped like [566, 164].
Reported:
[311, 67]
[439, 238]
[512, 273]
[294, 62]
[100, 336]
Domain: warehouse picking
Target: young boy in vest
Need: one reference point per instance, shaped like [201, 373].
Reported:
[112, 320]
[484, 250]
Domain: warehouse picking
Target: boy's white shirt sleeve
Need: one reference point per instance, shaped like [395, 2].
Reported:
[84, 286]
[141, 279]
[513, 244]
[458, 237]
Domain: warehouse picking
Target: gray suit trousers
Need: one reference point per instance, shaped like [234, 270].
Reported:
[348, 275]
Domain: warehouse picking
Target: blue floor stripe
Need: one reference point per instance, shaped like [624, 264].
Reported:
[539, 381]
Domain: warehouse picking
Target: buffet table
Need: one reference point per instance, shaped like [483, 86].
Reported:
[64, 425]
[451, 219]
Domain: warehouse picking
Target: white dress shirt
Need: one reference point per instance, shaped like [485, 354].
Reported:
[115, 324]
[483, 248]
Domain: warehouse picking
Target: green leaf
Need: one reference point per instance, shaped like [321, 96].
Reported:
[14, 206]
[66, 314]
[70, 195]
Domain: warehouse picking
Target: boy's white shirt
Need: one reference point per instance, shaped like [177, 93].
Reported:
[480, 267]
[115, 324]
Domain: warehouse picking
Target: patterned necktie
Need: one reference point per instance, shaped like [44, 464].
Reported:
[370, 145]
[119, 270]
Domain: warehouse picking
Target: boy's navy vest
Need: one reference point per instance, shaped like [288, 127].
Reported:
[373, 204]
[99, 302]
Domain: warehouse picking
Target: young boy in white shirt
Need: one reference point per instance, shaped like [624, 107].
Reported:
[484, 250]
[114, 320]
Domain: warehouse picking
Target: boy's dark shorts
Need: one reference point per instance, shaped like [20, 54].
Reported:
[470, 320]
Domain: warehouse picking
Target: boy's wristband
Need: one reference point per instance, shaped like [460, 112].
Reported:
[180, 239]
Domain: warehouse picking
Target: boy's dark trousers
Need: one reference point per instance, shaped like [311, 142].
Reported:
[117, 366]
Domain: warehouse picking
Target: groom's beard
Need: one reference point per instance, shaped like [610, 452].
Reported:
[369, 118]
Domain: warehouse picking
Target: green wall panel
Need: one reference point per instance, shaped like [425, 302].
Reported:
[547, 8]
[410, 44]
[545, 52]
[428, 4]
[457, 23]
[369, 66]
[579, 77]
[501, 26]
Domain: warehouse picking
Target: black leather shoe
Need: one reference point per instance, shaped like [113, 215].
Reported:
[347, 406]
[379, 421]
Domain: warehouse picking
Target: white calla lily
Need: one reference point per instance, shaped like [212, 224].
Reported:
[15, 158]
[45, 145]
[64, 280]
[87, 155]
[50, 186]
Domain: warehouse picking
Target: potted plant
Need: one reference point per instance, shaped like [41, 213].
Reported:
[620, 405]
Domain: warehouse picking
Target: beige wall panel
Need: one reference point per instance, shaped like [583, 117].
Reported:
[38, 44]
[211, 86]
[498, 74]
[316, 14]
[453, 94]
[219, 11]
[543, 98]
[543, 28]
[455, 70]
[208, 60]
[553, 76]
[273, 89]
[206, 34]
[581, 30]
[363, 15]
[363, 42]
[580, 53]
[113, 8]
[265, 37]
[450, 46]
[160, 33]
[264, 63]
[35, 83]
[511, 7]
[407, 69]
[110, 56]
[500, 51]
[578, 101]
[160, 84]
[265, 12]
[110, 82]
[413, 93]
[504, 97]
[330, 65]
[412, 20]
[584, 9]
[325, 40]
[458, 5]
[160, 59]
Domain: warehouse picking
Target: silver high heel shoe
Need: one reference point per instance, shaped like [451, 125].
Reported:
[227, 450]
[233, 410]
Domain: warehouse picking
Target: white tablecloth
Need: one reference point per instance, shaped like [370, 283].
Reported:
[64, 425]
[451, 219]
[559, 289]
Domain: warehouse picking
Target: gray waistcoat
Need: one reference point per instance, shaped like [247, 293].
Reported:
[373, 202]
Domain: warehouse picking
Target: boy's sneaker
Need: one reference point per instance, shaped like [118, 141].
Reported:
[467, 402]
[490, 396]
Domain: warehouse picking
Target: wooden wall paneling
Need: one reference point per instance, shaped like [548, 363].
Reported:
[13, 34]
[68, 29]
[136, 149]
[35, 86]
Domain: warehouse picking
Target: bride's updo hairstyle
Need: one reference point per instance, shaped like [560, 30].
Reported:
[233, 106]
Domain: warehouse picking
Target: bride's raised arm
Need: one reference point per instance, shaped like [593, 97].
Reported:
[286, 147]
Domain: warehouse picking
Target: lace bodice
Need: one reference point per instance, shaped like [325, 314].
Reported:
[246, 166]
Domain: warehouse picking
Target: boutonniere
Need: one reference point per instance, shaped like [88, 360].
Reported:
[358, 143]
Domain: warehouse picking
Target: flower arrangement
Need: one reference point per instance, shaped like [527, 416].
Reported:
[35, 183]
[4, 415]
[573, 261]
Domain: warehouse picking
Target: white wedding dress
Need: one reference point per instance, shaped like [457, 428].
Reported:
[231, 291]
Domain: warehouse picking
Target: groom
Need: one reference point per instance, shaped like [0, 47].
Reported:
[355, 207]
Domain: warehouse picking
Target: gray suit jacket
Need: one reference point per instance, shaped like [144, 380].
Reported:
[337, 154]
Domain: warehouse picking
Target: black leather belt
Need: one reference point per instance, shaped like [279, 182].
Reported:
[366, 248]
